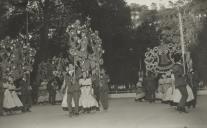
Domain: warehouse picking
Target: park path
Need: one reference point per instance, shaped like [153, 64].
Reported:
[123, 113]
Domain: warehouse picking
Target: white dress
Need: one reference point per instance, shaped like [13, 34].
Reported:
[8, 102]
[59, 96]
[87, 99]
[43, 95]
[177, 95]
[16, 99]
[160, 91]
[168, 94]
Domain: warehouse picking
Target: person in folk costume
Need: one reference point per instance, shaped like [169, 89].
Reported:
[87, 100]
[150, 83]
[168, 97]
[1, 94]
[15, 97]
[11, 100]
[193, 81]
[161, 87]
[26, 97]
[95, 82]
[59, 96]
[64, 88]
[8, 102]
[180, 83]
[103, 90]
[52, 87]
[72, 93]
[140, 92]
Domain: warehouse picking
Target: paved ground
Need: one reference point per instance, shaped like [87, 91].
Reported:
[123, 113]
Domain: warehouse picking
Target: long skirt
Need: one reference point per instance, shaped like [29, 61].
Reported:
[163, 92]
[59, 96]
[168, 96]
[8, 102]
[177, 95]
[43, 96]
[87, 99]
[140, 94]
[16, 99]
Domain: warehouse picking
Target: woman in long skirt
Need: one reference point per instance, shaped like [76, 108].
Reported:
[11, 100]
[176, 95]
[87, 100]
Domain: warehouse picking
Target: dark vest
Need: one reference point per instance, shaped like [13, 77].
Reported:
[72, 86]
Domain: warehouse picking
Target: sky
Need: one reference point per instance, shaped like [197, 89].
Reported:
[149, 2]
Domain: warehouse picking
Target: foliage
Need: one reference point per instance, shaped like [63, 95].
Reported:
[17, 57]
[84, 46]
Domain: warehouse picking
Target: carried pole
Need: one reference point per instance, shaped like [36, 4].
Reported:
[74, 67]
[182, 39]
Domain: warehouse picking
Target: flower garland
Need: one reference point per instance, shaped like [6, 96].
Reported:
[59, 65]
[85, 46]
[16, 57]
[85, 49]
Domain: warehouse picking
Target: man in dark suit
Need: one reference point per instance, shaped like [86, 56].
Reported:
[180, 83]
[95, 80]
[193, 81]
[73, 93]
[103, 90]
[51, 87]
[150, 83]
[25, 95]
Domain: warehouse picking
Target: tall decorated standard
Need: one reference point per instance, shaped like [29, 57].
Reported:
[84, 50]
[16, 57]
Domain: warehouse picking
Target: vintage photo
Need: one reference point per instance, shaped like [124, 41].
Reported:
[103, 63]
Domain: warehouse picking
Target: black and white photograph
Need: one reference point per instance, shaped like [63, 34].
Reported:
[103, 63]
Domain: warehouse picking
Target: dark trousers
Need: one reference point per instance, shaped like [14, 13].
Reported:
[184, 93]
[26, 101]
[150, 94]
[1, 103]
[194, 89]
[97, 94]
[52, 97]
[75, 96]
[104, 99]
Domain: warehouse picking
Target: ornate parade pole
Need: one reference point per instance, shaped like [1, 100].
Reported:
[74, 67]
[27, 38]
[182, 38]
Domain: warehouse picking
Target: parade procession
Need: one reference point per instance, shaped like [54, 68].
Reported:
[103, 63]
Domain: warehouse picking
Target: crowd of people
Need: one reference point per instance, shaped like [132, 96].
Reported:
[14, 99]
[79, 94]
[173, 87]
[85, 94]
[88, 92]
